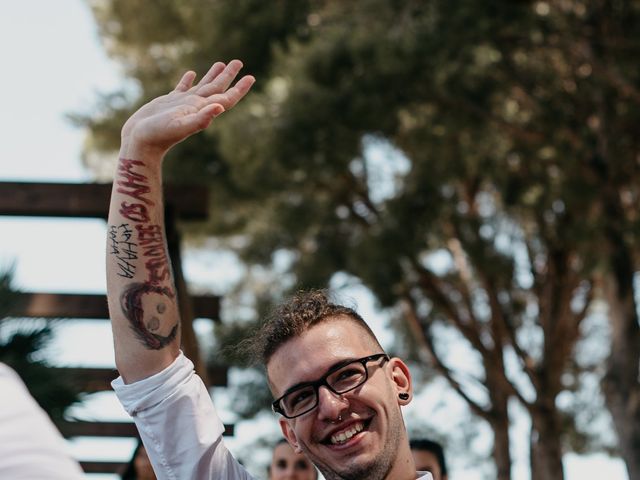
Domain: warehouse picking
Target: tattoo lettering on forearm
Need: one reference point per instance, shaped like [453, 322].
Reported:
[132, 183]
[136, 212]
[123, 248]
[152, 246]
[144, 304]
[135, 185]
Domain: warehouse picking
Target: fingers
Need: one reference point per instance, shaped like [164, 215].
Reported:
[186, 81]
[197, 106]
[213, 72]
[222, 80]
[232, 96]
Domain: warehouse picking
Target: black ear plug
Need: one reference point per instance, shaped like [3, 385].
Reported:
[403, 396]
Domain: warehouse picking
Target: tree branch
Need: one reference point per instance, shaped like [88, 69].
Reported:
[426, 342]
[435, 292]
[466, 277]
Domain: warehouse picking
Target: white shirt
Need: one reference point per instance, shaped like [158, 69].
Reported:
[179, 425]
[30, 445]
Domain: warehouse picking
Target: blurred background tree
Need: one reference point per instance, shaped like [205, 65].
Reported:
[475, 165]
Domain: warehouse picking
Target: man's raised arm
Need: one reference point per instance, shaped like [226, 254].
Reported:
[140, 288]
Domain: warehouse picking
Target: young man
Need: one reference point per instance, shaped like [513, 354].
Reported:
[429, 457]
[338, 394]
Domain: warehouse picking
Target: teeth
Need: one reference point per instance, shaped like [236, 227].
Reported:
[347, 434]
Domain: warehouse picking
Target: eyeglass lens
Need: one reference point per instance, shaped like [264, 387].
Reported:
[347, 378]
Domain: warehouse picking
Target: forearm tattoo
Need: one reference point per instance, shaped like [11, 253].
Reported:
[124, 249]
[144, 322]
[145, 303]
[153, 248]
[134, 185]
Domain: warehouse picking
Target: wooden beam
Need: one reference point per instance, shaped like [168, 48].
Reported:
[108, 429]
[71, 305]
[90, 200]
[92, 466]
[91, 380]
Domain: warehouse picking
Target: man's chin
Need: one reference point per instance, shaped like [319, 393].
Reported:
[362, 466]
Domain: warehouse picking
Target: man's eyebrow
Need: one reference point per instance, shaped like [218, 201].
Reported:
[331, 369]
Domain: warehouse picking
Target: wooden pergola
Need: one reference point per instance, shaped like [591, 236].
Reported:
[92, 201]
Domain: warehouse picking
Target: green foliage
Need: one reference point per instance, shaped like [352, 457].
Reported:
[21, 347]
[8, 296]
[53, 392]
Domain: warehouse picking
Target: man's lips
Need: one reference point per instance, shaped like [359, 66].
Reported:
[345, 432]
[343, 436]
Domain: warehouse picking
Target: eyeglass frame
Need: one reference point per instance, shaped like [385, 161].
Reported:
[322, 382]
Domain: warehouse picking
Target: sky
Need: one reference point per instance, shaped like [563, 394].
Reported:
[53, 65]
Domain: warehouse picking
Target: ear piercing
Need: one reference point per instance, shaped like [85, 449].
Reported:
[403, 396]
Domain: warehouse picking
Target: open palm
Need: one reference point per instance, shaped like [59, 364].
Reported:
[188, 109]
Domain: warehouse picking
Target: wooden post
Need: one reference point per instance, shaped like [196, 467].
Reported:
[189, 340]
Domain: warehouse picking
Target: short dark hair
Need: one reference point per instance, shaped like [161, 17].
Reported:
[297, 315]
[433, 447]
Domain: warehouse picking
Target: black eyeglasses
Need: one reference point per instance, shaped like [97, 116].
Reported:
[340, 379]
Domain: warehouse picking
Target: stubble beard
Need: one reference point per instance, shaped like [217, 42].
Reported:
[376, 469]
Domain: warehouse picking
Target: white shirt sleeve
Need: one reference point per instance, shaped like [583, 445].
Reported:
[30, 445]
[179, 425]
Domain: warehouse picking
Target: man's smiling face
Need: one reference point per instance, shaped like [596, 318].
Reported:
[356, 434]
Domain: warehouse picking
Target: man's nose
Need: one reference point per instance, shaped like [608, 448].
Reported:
[330, 404]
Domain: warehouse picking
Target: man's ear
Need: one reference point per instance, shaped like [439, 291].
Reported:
[289, 434]
[402, 380]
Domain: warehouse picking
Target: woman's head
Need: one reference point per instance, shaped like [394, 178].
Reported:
[286, 464]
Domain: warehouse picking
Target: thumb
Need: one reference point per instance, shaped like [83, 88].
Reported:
[203, 118]
[183, 127]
